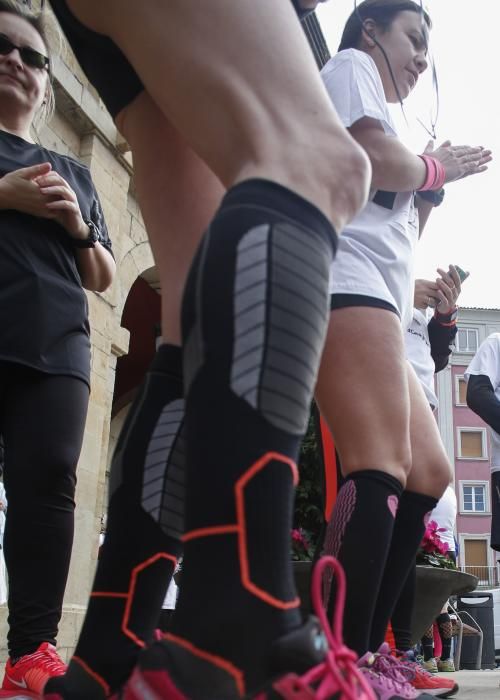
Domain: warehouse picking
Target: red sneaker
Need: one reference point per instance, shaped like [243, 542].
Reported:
[316, 664]
[435, 685]
[31, 672]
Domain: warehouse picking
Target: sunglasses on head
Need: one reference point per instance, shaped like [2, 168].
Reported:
[30, 57]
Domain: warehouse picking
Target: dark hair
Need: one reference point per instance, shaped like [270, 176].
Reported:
[38, 22]
[382, 12]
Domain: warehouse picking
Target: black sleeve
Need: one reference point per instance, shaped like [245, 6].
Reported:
[440, 338]
[482, 400]
[97, 216]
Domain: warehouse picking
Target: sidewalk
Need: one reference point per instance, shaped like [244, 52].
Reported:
[477, 685]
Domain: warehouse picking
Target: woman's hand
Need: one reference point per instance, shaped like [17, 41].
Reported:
[449, 288]
[19, 191]
[425, 294]
[460, 161]
[62, 204]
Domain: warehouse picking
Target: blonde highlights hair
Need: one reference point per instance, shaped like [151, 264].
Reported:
[44, 28]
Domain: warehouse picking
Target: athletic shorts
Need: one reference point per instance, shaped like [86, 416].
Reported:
[101, 60]
[341, 301]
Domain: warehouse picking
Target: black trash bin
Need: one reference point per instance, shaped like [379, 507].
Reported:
[479, 606]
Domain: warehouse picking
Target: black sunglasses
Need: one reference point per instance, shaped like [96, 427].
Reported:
[30, 57]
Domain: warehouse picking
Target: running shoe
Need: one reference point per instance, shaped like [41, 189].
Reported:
[446, 666]
[434, 685]
[311, 663]
[31, 672]
[388, 678]
[430, 665]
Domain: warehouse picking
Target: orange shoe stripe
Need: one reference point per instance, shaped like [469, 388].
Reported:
[218, 661]
[242, 540]
[92, 673]
[209, 531]
[133, 581]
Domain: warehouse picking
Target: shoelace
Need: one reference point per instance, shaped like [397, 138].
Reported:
[339, 670]
[391, 668]
[413, 666]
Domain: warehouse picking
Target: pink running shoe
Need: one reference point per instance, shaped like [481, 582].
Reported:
[389, 678]
[316, 664]
[31, 672]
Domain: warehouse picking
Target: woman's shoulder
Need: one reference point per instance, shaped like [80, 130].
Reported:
[354, 59]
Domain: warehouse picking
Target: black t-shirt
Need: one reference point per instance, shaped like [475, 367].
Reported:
[43, 307]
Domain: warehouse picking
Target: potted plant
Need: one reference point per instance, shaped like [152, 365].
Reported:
[437, 579]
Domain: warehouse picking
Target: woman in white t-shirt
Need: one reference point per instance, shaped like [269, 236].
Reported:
[383, 427]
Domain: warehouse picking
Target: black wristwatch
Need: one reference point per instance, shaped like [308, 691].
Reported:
[93, 237]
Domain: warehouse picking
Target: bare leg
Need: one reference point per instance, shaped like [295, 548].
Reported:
[277, 139]
[428, 478]
[205, 72]
[178, 196]
[362, 392]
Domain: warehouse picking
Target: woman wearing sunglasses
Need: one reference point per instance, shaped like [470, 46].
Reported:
[53, 243]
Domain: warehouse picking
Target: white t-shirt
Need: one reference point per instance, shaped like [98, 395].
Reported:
[418, 352]
[487, 361]
[376, 249]
[171, 597]
[445, 515]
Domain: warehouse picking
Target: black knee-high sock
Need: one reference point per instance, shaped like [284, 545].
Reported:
[445, 632]
[363, 521]
[144, 527]
[403, 611]
[409, 529]
[254, 320]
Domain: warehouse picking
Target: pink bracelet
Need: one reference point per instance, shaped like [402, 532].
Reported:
[435, 174]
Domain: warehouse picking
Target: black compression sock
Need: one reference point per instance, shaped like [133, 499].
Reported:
[144, 526]
[403, 612]
[254, 320]
[409, 529]
[364, 513]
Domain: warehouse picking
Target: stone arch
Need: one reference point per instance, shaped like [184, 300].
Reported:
[134, 263]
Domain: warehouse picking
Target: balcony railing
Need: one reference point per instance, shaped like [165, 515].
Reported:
[487, 575]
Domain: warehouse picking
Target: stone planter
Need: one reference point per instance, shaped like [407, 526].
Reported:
[434, 587]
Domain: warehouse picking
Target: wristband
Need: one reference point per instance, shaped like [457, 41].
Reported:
[435, 174]
[449, 319]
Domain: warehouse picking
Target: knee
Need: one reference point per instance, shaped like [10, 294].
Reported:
[431, 477]
[334, 172]
[352, 178]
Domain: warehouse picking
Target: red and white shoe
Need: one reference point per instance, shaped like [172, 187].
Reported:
[435, 685]
[32, 671]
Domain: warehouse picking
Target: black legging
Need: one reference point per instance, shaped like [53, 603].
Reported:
[42, 419]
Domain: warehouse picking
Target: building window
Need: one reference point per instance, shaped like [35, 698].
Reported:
[472, 443]
[467, 340]
[474, 497]
[460, 391]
